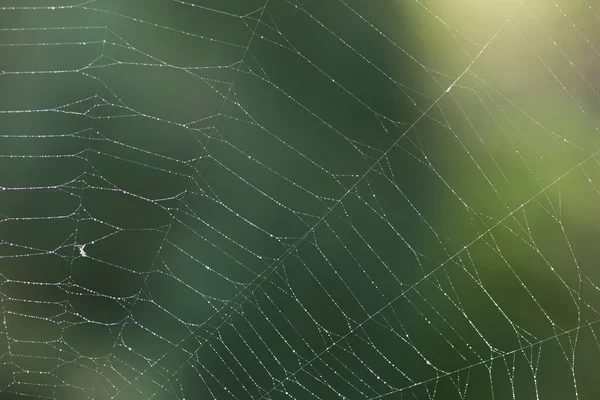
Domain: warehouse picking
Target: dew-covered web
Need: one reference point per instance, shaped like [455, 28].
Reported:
[303, 199]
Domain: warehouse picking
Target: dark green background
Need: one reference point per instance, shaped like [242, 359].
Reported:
[281, 200]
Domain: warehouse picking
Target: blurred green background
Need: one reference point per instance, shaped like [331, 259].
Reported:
[299, 199]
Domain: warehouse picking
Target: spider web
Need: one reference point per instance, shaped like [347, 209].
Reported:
[299, 199]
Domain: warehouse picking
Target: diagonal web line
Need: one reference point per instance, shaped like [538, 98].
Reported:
[273, 267]
[229, 347]
[425, 277]
[489, 360]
